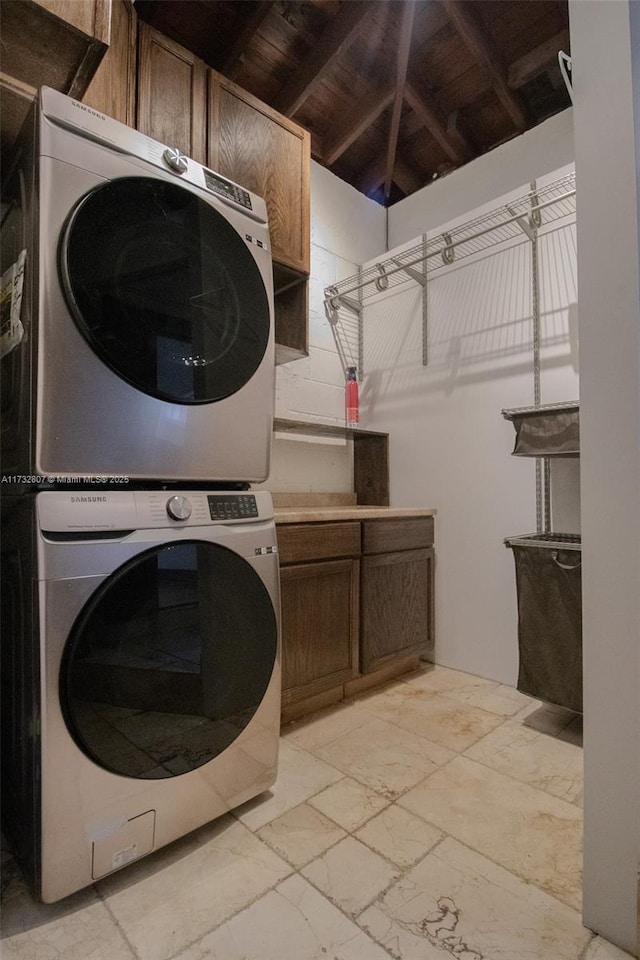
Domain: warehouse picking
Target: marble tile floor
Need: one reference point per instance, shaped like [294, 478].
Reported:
[438, 818]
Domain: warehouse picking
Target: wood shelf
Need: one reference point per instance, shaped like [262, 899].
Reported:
[370, 456]
[291, 307]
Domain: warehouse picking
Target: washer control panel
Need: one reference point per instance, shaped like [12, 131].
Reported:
[227, 189]
[225, 507]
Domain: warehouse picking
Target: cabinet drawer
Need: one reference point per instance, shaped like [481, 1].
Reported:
[317, 541]
[388, 536]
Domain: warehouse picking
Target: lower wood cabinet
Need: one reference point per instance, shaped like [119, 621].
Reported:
[397, 592]
[319, 626]
[357, 606]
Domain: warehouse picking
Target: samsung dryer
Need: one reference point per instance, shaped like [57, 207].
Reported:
[141, 672]
[147, 347]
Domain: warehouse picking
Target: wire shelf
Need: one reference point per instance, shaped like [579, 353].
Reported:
[548, 541]
[516, 220]
[569, 406]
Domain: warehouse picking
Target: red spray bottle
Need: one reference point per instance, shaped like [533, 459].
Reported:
[352, 415]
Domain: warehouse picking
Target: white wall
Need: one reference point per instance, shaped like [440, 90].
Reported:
[346, 229]
[606, 62]
[535, 153]
[449, 445]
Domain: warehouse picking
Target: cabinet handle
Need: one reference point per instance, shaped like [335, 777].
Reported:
[564, 566]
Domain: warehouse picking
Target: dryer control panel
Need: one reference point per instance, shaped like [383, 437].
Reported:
[227, 189]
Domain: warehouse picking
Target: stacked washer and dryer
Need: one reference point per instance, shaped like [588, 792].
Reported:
[140, 645]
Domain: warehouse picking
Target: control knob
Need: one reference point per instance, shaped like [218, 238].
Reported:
[176, 160]
[179, 508]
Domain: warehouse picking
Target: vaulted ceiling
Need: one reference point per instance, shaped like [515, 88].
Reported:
[395, 93]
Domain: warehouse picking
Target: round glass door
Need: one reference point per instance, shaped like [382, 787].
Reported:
[169, 660]
[164, 290]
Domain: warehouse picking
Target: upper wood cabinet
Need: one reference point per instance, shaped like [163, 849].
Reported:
[113, 88]
[54, 43]
[172, 94]
[267, 153]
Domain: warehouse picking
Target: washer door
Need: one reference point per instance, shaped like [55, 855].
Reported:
[169, 660]
[164, 290]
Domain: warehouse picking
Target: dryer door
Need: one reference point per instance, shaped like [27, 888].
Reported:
[165, 290]
[169, 660]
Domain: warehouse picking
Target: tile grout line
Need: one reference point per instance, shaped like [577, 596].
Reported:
[526, 783]
[116, 922]
[584, 952]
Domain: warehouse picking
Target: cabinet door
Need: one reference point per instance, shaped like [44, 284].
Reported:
[397, 607]
[319, 626]
[265, 152]
[172, 94]
[113, 88]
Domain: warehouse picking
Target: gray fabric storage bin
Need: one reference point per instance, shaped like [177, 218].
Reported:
[547, 431]
[549, 590]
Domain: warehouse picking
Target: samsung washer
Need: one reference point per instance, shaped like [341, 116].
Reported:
[141, 672]
[147, 347]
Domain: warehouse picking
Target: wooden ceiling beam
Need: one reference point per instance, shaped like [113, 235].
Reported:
[245, 36]
[331, 45]
[402, 63]
[466, 22]
[450, 138]
[537, 61]
[363, 114]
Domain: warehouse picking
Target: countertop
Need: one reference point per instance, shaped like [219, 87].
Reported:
[316, 514]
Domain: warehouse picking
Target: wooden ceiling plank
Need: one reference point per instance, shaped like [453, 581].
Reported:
[402, 63]
[538, 60]
[453, 144]
[364, 113]
[466, 22]
[245, 36]
[333, 43]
